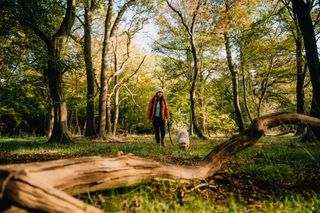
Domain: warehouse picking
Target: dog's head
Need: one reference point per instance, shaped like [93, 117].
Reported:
[184, 143]
[184, 146]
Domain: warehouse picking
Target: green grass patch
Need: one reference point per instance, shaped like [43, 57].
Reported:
[278, 174]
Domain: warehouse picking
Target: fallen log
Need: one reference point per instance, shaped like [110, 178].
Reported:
[33, 194]
[43, 185]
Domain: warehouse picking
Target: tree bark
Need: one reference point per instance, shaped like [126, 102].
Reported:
[60, 132]
[264, 87]
[103, 74]
[234, 78]
[194, 51]
[242, 62]
[125, 122]
[54, 72]
[302, 9]
[31, 193]
[116, 91]
[300, 80]
[196, 127]
[192, 94]
[105, 98]
[51, 121]
[90, 118]
[35, 185]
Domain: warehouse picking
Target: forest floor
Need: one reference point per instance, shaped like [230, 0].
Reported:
[278, 174]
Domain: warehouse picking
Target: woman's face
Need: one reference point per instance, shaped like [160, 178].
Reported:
[159, 94]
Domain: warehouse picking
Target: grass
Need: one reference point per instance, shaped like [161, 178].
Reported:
[278, 174]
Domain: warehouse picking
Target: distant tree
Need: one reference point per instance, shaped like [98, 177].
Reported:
[110, 28]
[233, 71]
[302, 9]
[189, 26]
[121, 74]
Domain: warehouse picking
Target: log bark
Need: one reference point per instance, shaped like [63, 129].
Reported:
[32, 193]
[36, 185]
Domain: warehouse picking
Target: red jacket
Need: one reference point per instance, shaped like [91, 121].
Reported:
[164, 108]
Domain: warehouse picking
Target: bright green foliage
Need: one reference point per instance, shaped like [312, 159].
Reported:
[263, 51]
[23, 94]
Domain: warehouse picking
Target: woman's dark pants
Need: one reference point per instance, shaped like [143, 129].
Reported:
[159, 127]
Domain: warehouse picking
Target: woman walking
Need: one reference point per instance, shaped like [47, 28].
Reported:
[158, 114]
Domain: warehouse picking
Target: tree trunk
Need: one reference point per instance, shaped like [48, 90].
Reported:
[116, 108]
[242, 62]
[51, 121]
[300, 80]
[234, 77]
[192, 91]
[109, 118]
[202, 104]
[77, 122]
[191, 124]
[90, 119]
[264, 86]
[103, 75]
[194, 51]
[116, 91]
[36, 185]
[302, 10]
[60, 132]
[105, 98]
[54, 72]
[125, 124]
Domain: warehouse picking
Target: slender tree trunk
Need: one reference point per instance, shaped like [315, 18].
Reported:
[204, 122]
[90, 119]
[264, 86]
[191, 124]
[51, 121]
[234, 78]
[116, 110]
[302, 11]
[242, 62]
[109, 118]
[116, 91]
[203, 110]
[105, 98]
[194, 79]
[301, 129]
[192, 91]
[77, 122]
[70, 119]
[300, 80]
[125, 124]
